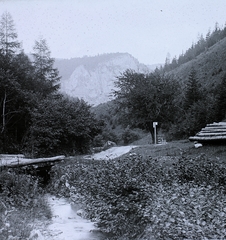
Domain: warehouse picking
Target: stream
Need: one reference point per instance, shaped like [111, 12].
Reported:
[66, 224]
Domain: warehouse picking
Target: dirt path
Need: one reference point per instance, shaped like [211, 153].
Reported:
[111, 153]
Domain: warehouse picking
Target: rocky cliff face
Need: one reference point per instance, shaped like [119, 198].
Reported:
[92, 78]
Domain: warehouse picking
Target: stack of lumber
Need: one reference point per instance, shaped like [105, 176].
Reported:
[212, 132]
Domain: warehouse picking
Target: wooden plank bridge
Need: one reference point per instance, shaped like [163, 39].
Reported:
[19, 160]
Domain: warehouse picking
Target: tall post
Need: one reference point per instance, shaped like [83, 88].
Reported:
[154, 126]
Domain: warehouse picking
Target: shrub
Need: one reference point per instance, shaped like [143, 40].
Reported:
[129, 136]
[17, 189]
[146, 198]
[186, 211]
[202, 171]
[20, 198]
[115, 193]
[106, 135]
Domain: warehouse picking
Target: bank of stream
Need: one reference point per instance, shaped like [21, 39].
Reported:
[65, 223]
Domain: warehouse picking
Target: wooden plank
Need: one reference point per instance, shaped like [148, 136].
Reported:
[215, 125]
[213, 130]
[210, 134]
[196, 138]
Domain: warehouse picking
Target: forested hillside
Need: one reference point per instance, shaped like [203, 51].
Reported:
[203, 45]
[182, 96]
[35, 118]
[209, 65]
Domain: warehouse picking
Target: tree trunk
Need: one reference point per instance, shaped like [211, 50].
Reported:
[3, 112]
[151, 130]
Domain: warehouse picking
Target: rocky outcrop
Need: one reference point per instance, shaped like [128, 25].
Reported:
[92, 78]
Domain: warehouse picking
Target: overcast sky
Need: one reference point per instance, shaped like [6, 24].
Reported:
[147, 29]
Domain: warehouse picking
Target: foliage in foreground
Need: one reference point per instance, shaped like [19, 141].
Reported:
[187, 211]
[141, 198]
[21, 203]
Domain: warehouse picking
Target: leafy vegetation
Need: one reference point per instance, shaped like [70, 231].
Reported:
[114, 127]
[142, 197]
[180, 108]
[61, 126]
[20, 198]
[146, 98]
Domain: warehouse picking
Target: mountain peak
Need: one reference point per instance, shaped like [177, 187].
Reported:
[92, 78]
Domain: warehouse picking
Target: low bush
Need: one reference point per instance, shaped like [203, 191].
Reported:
[186, 211]
[129, 136]
[201, 171]
[115, 192]
[21, 202]
[145, 198]
[18, 189]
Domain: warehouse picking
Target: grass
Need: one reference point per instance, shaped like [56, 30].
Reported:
[19, 223]
[182, 147]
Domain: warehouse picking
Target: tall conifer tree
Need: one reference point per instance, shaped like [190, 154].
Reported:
[8, 35]
[46, 74]
[192, 92]
[8, 85]
[221, 100]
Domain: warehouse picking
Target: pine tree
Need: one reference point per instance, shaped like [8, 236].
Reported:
[221, 100]
[8, 83]
[8, 35]
[192, 92]
[45, 73]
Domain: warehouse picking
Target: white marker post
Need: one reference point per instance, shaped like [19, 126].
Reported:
[154, 126]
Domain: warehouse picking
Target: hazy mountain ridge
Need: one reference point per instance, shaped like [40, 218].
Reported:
[92, 78]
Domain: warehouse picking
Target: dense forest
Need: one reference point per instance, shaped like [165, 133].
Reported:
[37, 120]
[180, 108]
[34, 117]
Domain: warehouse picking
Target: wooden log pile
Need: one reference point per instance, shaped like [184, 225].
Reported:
[211, 133]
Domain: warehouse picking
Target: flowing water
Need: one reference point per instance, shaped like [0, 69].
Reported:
[66, 224]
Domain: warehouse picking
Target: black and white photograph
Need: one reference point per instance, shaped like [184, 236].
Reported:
[112, 119]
